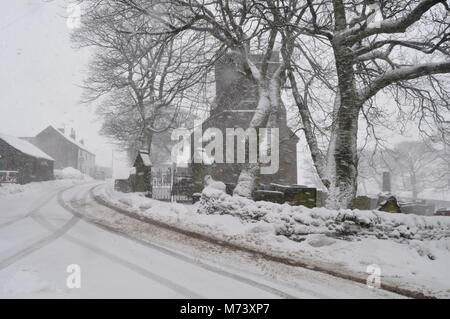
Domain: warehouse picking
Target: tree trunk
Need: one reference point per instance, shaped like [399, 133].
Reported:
[316, 155]
[149, 140]
[269, 103]
[248, 178]
[330, 171]
[343, 190]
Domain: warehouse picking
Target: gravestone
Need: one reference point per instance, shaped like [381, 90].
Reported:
[390, 205]
[269, 196]
[297, 194]
[291, 192]
[306, 197]
[363, 203]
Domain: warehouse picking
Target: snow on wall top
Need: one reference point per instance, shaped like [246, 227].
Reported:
[25, 147]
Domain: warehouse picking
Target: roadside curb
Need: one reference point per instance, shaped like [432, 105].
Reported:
[287, 261]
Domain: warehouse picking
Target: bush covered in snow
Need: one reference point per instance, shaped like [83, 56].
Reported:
[70, 173]
[295, 222]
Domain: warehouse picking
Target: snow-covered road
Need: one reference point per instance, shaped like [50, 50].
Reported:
[40, 237]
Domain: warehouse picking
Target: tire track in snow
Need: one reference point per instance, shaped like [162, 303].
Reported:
[184, 258]
[45, 240]
[32, 211]
[131, 266]
[38, 245]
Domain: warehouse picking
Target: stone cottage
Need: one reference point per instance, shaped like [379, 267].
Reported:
[66, 150]
[30, 163]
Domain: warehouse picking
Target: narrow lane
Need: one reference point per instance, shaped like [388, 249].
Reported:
[53, 233]
[111, 266]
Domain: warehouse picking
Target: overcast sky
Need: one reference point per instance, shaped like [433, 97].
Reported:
[40, 74]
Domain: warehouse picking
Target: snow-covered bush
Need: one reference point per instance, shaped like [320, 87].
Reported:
[295, 222]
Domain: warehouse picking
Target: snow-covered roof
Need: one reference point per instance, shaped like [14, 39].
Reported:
[71, 140]
[25, 147]
[145, 158]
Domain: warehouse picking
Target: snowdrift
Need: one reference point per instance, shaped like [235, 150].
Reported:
[71, 173]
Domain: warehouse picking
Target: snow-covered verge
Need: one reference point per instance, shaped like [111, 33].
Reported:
[71, 173]
[295, 222]
[413, 252]
[65, 177]
[13, 189]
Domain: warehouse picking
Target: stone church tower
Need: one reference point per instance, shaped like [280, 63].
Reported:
[236, 101]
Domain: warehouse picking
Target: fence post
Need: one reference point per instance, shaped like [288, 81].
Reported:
[172, 177]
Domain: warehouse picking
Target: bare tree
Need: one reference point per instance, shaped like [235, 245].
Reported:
[408, 41]
[241, 27]
[414, 163]
[355, 50]
[145, 82]
[441, 143]
[414, 166]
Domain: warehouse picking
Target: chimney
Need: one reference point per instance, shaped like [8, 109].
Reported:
[61, 129]
[72, 134]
